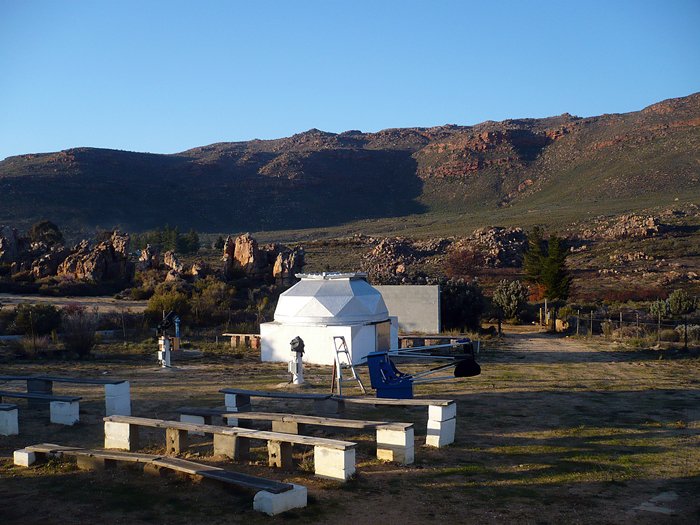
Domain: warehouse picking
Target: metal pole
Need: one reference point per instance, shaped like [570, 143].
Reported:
[578, 320]
[591, 323]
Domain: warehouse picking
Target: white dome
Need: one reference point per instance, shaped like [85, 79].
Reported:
[331, 299]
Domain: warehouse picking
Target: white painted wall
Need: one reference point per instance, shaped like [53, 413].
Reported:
[318, 341]
[416, 306]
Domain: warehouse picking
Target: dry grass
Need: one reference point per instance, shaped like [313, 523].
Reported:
[554, 430]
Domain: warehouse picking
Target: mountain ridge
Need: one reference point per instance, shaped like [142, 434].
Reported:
[319, 179]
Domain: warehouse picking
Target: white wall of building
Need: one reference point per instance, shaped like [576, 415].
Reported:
[416, 306]
[318, 341]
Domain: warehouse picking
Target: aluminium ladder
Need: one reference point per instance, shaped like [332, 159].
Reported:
[343, 360]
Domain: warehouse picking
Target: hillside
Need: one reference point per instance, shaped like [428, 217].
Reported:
[445, 178]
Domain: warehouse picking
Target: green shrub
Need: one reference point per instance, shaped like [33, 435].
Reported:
[510, 297]
[669, 336]
[167, 297]
[79, 326]
[462, 305]
[680, 303]
[38, 319]
[693, 332]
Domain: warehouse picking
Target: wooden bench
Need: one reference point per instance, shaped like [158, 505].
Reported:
[238, 399]
[272, 497]
[333, 459]
[395, 441]
[9, 425]
[117, 391]
[442, 415]
[64, 410]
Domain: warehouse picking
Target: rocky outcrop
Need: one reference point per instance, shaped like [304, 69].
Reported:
[121, 242]
[148, 259]
[276, 261]
[624, 227]
[101, 263]
[48, 263]
[170, 260]
[199, 269]
[500, 247]
[287, 264]
[392, 258]
[401, 260]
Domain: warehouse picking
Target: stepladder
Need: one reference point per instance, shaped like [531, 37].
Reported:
[343, 361]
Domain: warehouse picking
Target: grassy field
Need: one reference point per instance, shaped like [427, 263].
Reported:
[554, 430]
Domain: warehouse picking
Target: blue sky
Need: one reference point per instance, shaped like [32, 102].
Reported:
[164, 76]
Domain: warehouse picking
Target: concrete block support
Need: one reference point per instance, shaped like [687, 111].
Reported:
[396, 445]
[441, 433]
[232, 447]
[121, 436]
[288, 427]
[442, 413]
[118, 399]
[175, 441]
[272, 504]
[333, 463]
[64, 412]
[24, 458]
[280, 455]
[9, 420]
[237, 402]
[198, 420]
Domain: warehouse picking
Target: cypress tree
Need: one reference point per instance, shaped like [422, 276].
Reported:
[533, 262]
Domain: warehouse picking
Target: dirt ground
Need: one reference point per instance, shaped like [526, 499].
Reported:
[102, 303]
[554, 430]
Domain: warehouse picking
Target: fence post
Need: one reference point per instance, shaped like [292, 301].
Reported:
[578, 319]
[658, 330]
[591, 335]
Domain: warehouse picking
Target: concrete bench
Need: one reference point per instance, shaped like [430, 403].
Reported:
[64, 410]
[9, 422]
[238, 399]
[333, 459]
[442, 415]
[117, 391]
[395, 441]
[271, 497]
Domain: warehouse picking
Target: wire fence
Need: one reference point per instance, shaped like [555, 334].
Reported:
[633, 326]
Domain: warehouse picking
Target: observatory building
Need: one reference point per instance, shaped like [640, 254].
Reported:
[323, 306]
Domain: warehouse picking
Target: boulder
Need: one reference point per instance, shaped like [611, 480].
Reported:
[170, 260]
[199, 269]
[121, 242]
[287, 264]
[48, 264]
[148, 259]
